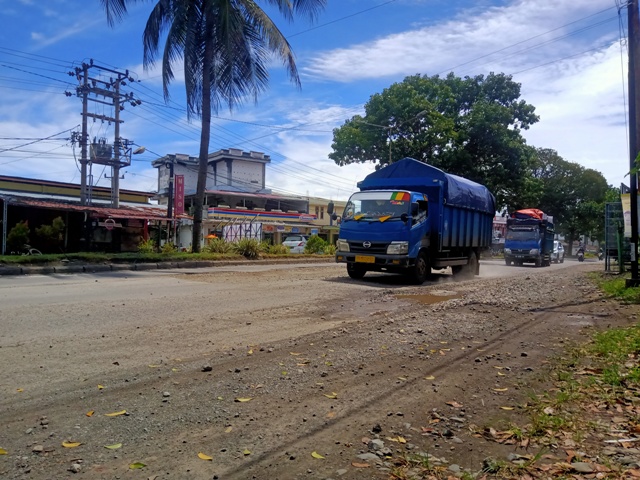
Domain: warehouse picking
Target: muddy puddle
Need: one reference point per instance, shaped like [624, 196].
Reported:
[431, 297]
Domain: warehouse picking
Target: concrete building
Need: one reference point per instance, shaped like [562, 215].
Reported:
[237, 203]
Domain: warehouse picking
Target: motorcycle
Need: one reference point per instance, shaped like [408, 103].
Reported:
[600, 255]
[580, 256]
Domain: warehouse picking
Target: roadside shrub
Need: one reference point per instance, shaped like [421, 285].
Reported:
[315, 245]
[18, 236]
[51, 235]
[330, 249]
[278, 249]
[247, 247]
[147, 246]
[168, 247]
[218, 245]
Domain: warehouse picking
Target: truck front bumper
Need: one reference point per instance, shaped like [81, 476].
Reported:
[376, 262]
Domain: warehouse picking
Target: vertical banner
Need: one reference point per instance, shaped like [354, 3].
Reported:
[626, 210]
[179, 197]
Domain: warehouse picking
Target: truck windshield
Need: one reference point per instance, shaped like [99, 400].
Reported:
[523, 234]
[379, 206]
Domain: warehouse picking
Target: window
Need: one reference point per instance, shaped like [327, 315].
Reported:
[321, 213]
[317, 212]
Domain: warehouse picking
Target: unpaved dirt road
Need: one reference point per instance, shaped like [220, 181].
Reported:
[264, 369]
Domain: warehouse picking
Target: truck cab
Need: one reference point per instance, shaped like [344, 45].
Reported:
[383, 230]
[529, 239]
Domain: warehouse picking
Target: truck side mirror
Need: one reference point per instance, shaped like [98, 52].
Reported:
[330, 208]
[334, 217]
[404, 217]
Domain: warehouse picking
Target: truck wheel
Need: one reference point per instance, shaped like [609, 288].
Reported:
[538, 262]
[508, 262]
[356, 271]
[470, 269]
[421, 269]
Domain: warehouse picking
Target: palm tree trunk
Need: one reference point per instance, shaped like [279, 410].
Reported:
[204, 148]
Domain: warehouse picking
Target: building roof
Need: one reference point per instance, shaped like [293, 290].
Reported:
[36, 181]
[133, 211]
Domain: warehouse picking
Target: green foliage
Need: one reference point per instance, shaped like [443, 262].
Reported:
[51, 235]
[247, 247]
[277, 249]
[147, 246]
[315, 245]
[218, 245]
[168, 247]
[470, 127]
[18, 236]
[329, 249]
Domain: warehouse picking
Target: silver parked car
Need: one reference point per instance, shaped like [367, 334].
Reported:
[558, 252]
[296, 243]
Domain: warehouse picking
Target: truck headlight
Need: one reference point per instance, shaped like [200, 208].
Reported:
[398, 248]
[534, 251]
[342, 245]
[507, 251]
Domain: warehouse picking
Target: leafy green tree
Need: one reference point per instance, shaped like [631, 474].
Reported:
[574, 195]
[225, 46]
[469, 127]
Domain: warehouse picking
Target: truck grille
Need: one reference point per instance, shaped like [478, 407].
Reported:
[376, 248]
[520, 251]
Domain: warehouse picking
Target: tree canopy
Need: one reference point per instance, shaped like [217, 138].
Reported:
[574, 195]
[469, 127]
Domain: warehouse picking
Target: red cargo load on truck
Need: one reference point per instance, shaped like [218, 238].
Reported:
[530, 213]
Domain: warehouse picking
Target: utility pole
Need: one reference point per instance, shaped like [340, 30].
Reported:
[116, 155]
[634, 110]
[84, 135]
[115, 178]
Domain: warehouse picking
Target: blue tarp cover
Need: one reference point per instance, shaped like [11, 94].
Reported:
[410, 174]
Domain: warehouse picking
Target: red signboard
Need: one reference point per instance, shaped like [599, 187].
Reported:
[179, 200]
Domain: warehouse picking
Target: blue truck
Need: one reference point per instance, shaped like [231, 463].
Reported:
[529, 238]
[410, 217]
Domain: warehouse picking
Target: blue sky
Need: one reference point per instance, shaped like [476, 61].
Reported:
[566, 54]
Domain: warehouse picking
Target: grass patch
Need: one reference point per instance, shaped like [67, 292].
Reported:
[614, 286]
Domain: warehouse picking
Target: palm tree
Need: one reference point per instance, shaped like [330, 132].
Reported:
[225, 46]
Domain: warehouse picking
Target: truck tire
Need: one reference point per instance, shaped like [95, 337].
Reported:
[471, 269]
[356, 271]
[538, 262]
[508, 262]
[421, 269]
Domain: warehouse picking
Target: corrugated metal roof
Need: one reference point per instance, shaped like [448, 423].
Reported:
[255, 195]
[134, 211]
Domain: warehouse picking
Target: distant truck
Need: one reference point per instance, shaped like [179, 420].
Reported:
[410, 217]
[529, 238]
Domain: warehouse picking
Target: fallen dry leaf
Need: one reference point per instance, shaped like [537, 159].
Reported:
[90, 413]
[295, 354]
[500, 389]
[360, 465]
[316, 455]
[228, 429]
[3, 451]
[332, 395]
[115, 414]
[506, 408]
[430, 377]
[242, 400]
[137, 465]
[19, 389]
[246, 452]
[100, 387]
[454, 404]
[115, 446]
[202, 456]
[71, 444]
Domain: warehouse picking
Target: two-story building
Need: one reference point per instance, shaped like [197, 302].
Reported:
[237, 203]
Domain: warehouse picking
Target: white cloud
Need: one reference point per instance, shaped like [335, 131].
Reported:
[441, 47]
